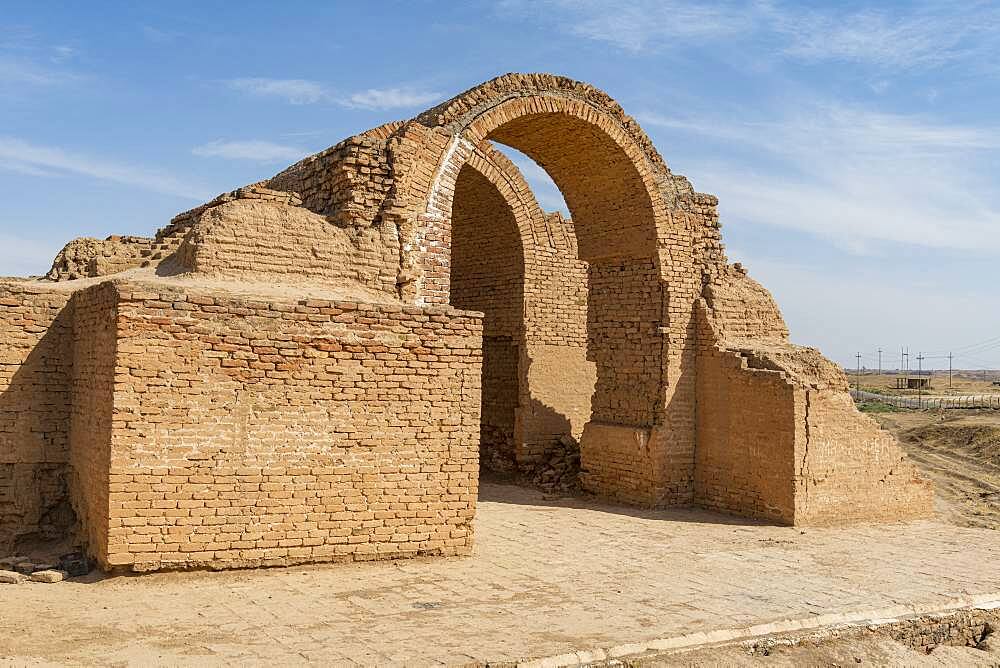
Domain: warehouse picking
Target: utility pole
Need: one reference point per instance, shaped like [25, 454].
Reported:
[920, 373]
[858, 381]
[880, 362]
[901, 356]
[949, 370]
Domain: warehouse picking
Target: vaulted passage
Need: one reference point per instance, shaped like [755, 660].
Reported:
[487, 274]
[608, 387]
[519, 267]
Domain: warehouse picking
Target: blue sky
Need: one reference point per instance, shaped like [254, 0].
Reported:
[855, 147]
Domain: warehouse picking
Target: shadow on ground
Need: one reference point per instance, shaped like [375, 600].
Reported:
[497, 489]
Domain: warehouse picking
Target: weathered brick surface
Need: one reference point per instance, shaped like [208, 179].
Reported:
[249, 433]
[87, 257]
[207, 428]
[780, 438]
[258, 239]
[95, 343]
[35, 362]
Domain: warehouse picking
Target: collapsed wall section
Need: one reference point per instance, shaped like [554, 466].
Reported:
[779, 436]
[258, 239]
[35, 367]
[746, 421]
[849, 469]
[263, 433]
[87, 258]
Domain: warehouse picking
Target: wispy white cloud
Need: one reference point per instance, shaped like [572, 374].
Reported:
[23, 72]
[159, 35]
[10, 165]
[19, 155]
[901, 37]
[63, 53]
[854, 177]
[636, 25]
[305, 91]
[295, 91]
[25, 60]
[391, 98]
[255, 150]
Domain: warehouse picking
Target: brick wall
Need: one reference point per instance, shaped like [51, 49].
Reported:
[745, 459]
[35, 363]
[347, 182]
[487, 275]
[93, 415]
[258, 432]
[780, 438]
[560, 379]
[262, 240]
[624, 316]
[850, 469]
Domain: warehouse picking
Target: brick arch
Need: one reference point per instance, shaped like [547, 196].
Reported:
[519, 266]
[642, 276]
[491, 224]
[604, 165]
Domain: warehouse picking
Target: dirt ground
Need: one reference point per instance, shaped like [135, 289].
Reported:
[871, 651]
[960, 451]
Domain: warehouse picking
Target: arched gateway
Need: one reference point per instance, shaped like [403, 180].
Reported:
[388, 315]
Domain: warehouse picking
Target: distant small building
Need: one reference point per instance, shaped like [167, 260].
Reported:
[912, 383]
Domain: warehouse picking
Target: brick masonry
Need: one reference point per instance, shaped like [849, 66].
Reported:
[314, 367]
[250, 433]
[35, 361]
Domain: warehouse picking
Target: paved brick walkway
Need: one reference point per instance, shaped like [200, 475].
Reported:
[547, 578]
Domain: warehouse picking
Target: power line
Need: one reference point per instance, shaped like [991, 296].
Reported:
[990, 343]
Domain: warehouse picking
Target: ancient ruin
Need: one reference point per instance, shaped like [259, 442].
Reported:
[315, 367]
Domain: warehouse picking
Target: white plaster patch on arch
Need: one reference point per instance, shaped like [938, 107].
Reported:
[443, 187]
[432, 236]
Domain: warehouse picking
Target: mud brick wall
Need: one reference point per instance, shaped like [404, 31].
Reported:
[742, 307]
[35, 363]
[487, 275]
[559, 376]
[624, 317]
[257, 239]
[500, 402]
[87, 257]
[92, 416]
[744, 461]
[618, 459]
[780, 438]
[850, 469]
[260, 433]
[347, 182]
